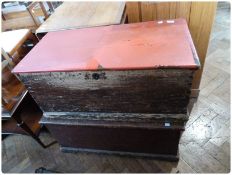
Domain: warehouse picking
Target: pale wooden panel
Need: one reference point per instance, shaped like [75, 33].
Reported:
[23, 13]
[148, 11]
[183, 10]
[72, 15]
[173, 9]
[158, 10]
[18, 23]
[133, 12]
[200, 24]
[107, 13]
[163, 10]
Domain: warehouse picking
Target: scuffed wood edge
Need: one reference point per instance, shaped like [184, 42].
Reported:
[168, 157]
[136, 121]
[114, 116]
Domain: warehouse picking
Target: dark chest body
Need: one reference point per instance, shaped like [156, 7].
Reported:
[124, 89]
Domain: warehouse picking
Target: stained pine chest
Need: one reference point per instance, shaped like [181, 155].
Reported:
[114, 89]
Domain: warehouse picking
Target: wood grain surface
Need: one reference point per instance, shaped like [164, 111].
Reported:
[112, 120]
[201, 35]
[126, 139]
[73, 15]
[143, 91]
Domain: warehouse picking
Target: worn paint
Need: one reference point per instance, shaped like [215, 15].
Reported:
[144, 45]
[142, 91]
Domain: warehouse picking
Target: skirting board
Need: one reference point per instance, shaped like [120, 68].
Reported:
[167, 157]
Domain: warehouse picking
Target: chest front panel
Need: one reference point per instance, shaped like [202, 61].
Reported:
[132, 91]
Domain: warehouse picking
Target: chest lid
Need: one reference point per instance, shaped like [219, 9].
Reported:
[145, 45]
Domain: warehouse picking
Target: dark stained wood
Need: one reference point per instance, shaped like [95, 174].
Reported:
[126, 139]
[167, 157]
[24, 118]
[142, 91]
[117, 133]
[10, 126]
[20, 112]
[28, 112]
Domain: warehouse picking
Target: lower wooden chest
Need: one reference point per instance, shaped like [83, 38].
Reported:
[125, 134]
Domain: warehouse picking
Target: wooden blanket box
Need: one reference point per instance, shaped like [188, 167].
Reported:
[120, 89]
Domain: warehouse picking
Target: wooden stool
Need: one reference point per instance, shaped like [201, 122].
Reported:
[18, 107]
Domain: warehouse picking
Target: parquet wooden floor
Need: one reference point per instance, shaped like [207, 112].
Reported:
[204, 146]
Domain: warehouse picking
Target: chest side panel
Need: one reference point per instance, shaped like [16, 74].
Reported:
[145, 91]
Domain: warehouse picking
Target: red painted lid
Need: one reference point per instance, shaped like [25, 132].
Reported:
[143, 45]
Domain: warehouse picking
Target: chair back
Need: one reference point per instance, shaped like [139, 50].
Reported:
[29, 17]
[12, 87]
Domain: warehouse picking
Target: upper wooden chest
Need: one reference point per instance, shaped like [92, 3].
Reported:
[132, 68]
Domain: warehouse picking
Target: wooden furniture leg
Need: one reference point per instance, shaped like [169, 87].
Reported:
[27, 102]
[24, 126]
[7, 57]
[19, 108]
